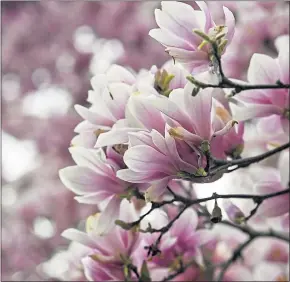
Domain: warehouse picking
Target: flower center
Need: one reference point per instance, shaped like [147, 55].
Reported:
[162, 81]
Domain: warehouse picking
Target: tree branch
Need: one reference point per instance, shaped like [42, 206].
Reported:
[225, 82]
[223, 165]
[252, 235]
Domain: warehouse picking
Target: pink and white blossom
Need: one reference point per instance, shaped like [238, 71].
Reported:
[176, 23]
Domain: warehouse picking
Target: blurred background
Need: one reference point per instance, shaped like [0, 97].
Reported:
[50, 51]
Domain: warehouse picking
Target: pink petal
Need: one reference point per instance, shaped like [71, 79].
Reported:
[229, 23]
[118, 73]
[115, 136]
[84, 139]
[202, 237]
[93, 117]
[186, 224]
[282, 44]
[80, 237]
[92, 159]
[263, 70]
[201, 112]
[140, 138]
[254, 111]
[166, 22]
[275, 206]
[169, 108]
[238, 273]
[144, 158]
[157, 189]
[80, 180]
[184, 56]
[108, 216]
[226, 128]
[146, 113]
[168, 38]
[208, 19]
[186, 17]
[93, 198]
[138, 177]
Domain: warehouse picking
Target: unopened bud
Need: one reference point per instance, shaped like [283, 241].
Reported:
[233, 212]
[202, 35]
[216, 215]
[205, 146]
[200, 172]
[145, 275]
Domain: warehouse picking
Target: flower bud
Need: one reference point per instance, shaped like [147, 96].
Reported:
[216, 215]
[233, 212]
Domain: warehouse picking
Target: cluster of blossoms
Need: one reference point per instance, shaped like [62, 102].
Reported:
[43, 63]
[166, 132]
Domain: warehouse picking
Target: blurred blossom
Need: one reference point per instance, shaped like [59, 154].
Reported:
[51, 50]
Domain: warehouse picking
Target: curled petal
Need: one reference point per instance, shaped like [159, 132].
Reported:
[226, 129]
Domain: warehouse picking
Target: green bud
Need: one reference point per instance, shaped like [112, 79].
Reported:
[216, 215]
[205, 146]
[238, 151]
[200, 172]
[145, 275]
[202, 35]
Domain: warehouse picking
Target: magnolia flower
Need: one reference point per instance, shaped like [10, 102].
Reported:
[111, 253]
[233, 212]
[275, 206]
[181, 244]
[94, 180]
[176, 23]
[266, 271]
[109, 98]
[140, 114]
[154, 159]
[266, 102]
[193, 118]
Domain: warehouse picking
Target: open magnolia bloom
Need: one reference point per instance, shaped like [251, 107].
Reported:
[266, 102]
[109, 97]
[94, 180]
[177, 22]
[111, 253]
[155, 159]
[140, 114]
[194, 119]
[180, 245]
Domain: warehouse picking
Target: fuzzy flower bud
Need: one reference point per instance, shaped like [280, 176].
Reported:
[216, 215]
